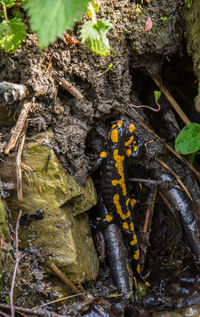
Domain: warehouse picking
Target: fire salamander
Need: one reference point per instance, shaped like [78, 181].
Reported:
[113, 188]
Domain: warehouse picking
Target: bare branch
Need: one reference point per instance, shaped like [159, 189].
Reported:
[68, 86]
[18, 128]
[19, 167]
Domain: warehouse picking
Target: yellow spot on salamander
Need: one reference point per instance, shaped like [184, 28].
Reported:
[125, 225]
[129, 141]
[119, 208]
[134, 241]
[135, 148]
[128, 152]
[109, 217]
[103, 154]
[136, 254]
[109, 135]
[133, 202]
[120, 169]
[114, 126]
[114, 136]
[131, 128]
[127, 201]
[138, 268]
[132, 227]
[147, 284]
[119, 123]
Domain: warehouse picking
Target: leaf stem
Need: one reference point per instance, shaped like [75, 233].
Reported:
[91, 8]
[5, 11]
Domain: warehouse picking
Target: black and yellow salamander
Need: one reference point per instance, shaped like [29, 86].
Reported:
[113, 189]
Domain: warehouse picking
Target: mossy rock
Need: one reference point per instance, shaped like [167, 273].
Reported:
[64, 232]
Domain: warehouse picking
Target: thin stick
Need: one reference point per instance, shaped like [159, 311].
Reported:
[172, 101]
[69, 87]
[60, 274]
[175, 175]
[16, 265]
[19, 167]
[39, 312]
[146, 180]
[17, 130]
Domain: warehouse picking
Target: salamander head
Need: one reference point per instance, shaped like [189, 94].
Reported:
[121, 135]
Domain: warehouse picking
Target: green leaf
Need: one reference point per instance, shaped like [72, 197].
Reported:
[188, 140]
[157, 94]
[12, 33]
[50, 18]
[95, 36]
[8, 3]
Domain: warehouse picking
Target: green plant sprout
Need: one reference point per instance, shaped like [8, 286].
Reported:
[109, 67]
[188, 3]
[157, 94]
[165, 19]
[12, 31]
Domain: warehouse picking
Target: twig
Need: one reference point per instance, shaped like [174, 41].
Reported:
[19, 167]
[69, 87]
[175, 175]
[39, 312]
[17, 130]
[174, 104]
[16, 265]
[60, 274]
[146, 180]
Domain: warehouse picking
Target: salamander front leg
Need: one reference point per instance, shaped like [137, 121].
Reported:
[93, 167]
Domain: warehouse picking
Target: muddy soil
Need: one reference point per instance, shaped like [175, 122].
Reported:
[80, 125]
